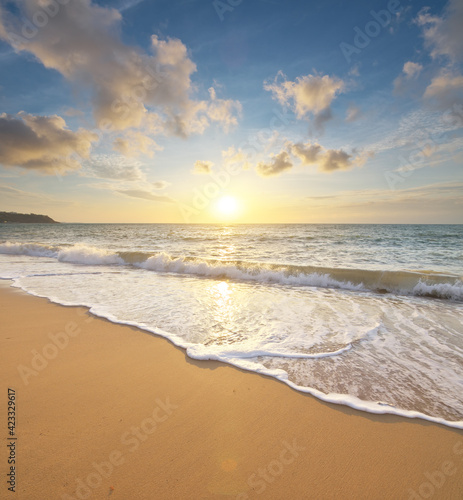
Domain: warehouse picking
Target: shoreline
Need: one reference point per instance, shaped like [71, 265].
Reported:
[332, 398]
[102, 405]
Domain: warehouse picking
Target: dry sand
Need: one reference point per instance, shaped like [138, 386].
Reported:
[118, 413]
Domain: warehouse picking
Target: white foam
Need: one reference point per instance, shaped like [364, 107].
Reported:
[440, 290]
[360, 280]
[84, 254]
[202, 352]
[32, 249]
[165, 263]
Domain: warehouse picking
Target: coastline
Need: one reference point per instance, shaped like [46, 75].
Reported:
[102, 405]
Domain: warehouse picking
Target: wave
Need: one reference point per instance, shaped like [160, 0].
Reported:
[420, 283]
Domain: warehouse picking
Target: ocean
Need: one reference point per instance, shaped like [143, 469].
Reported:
[369, 316]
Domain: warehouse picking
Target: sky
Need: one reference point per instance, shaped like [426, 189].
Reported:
[233, 111]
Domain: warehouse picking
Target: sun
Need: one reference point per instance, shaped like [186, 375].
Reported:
[227, 206]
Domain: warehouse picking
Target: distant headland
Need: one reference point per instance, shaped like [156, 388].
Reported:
[13, 217]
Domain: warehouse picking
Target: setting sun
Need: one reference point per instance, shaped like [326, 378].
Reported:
[227, 206]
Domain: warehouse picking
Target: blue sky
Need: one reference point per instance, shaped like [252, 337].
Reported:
[153, 111]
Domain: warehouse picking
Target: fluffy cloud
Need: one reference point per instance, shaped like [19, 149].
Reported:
[81, 41]
[444, 38]
[336, 159]
[311, 94]
[307, 153]
[223, 111]
[410, 71]
[327, 160]
[135, 143]
[42, 143]
[277, 164]
[445, 91]
[443, 35]
[203, 167]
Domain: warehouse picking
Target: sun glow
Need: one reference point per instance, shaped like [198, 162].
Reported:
[227, 207]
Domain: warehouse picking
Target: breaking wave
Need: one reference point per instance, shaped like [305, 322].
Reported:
[420, 283]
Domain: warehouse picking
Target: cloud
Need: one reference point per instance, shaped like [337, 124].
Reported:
[128, 4]
[410, 72]
[445, 91]
[160, 184]
[411, 69]
[443, 35]
[336, 159]
[307, 153]
[223, 111]
[136, 143]
[82, 42]
[353, 114]
[277, 164]
[235, 158]
[308, 95]
[417, 129]
[42, 143]
[203, 167]
[145, 195]
[444, 38]
[327, 160]
[113, 167]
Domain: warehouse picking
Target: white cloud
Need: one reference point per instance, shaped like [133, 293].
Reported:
[42, 143]
[445, 91]
[136, 143]
[202, 167]
[223, 111]
[308, 95]
[307, 153]
[410, 72]
[275, 166]
[128, 84]
[444, 35]
[327, 160]
[235, 158]
[411, 69]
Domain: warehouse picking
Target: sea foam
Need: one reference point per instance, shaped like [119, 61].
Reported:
[427, 284]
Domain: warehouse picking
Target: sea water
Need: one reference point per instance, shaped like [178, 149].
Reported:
[369, 316]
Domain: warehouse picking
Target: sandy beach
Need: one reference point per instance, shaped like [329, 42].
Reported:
[110, 411]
